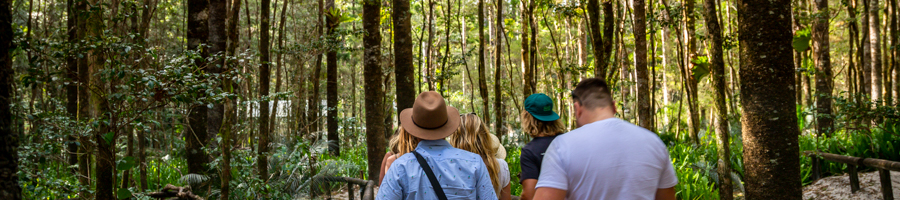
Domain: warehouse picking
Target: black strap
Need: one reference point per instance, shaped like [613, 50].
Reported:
[434, 182]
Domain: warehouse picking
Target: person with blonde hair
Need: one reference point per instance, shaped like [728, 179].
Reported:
[434, 169]
[401, 143]
[543, 125]
[473, 136]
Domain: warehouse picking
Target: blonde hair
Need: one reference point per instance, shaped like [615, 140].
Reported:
[538, 128]
[402, 142]
[472, 135]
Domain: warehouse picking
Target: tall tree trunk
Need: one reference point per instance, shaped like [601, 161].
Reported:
[403, 55]
[875, 48]
[482, 81]
[690, 54]
[229, 111]
[374, 93]
[429, 47]
[640, 60]
[894, 34]
[197, 137]
[824, 83]
[593, 7]
[853, 40]
[264, 76]
[717, 72]
[9, 144]
[218, 45]
[84, 151]
[334, 144]
[608, 36]
[498, 50]
[771, 153]
[865, 72]
[105, 174]
[528, 74]
[72, 87]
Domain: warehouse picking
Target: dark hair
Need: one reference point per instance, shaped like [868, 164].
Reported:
[592, 93]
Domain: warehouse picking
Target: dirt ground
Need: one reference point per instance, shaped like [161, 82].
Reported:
[838, 187]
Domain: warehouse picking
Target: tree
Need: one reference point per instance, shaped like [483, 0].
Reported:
[640, 60]
[527, 61]
[717, 70]
[498, 106]
[593, 7]
[374, 94]
[770, 132]
[482, 81]
[875, 48]
[9, 144]
[824, 83]
[403, 55]
[332, 18]
[218, 44]
[264, 76]
[72, 87]
[197, 137]
[688, 80]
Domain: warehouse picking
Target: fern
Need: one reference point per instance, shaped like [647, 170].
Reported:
[193, 179]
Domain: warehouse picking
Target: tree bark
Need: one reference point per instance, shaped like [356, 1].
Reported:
[334, 143]
[640, 60]
[374, 93]
[875, 48]
[770, 133]
[498, 50]
[593, 8]
[528, 74]
[9, 143]
[691, 83]
[717, 72]
[218, 45]
[608, 36]
[197, 137]
[73, 85]
[482, 81]
[824, 82]
[262, 158]
[865, 72]
[403, 55]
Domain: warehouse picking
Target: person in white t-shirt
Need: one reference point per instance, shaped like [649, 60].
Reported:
[606, 157]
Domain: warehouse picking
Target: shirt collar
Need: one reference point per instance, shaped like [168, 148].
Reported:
[433, 143]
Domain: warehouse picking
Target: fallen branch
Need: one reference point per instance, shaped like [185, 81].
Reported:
[175, 193]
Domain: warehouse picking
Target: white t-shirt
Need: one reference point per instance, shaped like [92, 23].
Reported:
[504, 173]
[608, 159]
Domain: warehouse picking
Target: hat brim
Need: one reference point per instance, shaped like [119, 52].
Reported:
[430, 134]
[551, 117]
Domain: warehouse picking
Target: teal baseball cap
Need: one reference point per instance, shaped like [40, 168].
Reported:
[541, 107]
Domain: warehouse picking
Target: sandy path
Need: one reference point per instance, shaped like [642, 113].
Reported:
[838, 187]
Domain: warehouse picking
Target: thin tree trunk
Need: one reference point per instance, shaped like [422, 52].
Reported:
[73, 86]
[824, 83]
[717, 72]
[331, 80]
[482, 81]
[374, 93]
[264, 76]
[403, 55]
[197, 138]
[640, 58]
[526, 52]
[429, 47]
[866, 61]
[875, 48]
[498, 70]
[691, 53]
[593, 8]
[771, 154]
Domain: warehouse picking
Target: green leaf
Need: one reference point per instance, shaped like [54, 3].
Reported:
[123, 193]
[801, 40]
[108, 137]
[701, 68]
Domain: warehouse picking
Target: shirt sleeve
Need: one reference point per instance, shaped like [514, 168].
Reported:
[553, 174]
[504, 173]
[484, 189]
[390, 186]
[529, 164]
[667, 178]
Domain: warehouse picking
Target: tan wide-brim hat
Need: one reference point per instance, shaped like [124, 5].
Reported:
[430, 118]
[501, 151]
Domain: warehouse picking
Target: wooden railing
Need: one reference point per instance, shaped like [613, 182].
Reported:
[367, 187]
[884, 167]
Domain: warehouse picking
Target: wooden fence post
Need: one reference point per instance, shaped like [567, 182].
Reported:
[854, 178]
[886, 188]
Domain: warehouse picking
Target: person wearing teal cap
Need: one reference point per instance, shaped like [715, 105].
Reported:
[541, 123]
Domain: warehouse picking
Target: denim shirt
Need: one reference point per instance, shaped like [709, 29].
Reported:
[461, 174]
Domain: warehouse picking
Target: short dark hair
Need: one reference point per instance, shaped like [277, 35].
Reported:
[592, 93]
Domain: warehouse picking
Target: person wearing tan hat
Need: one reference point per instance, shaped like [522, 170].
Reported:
[473, 136]
[435, 169]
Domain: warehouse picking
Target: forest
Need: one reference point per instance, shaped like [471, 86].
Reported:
[261, 99]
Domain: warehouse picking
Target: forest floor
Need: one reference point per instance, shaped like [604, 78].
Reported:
[838, 187]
